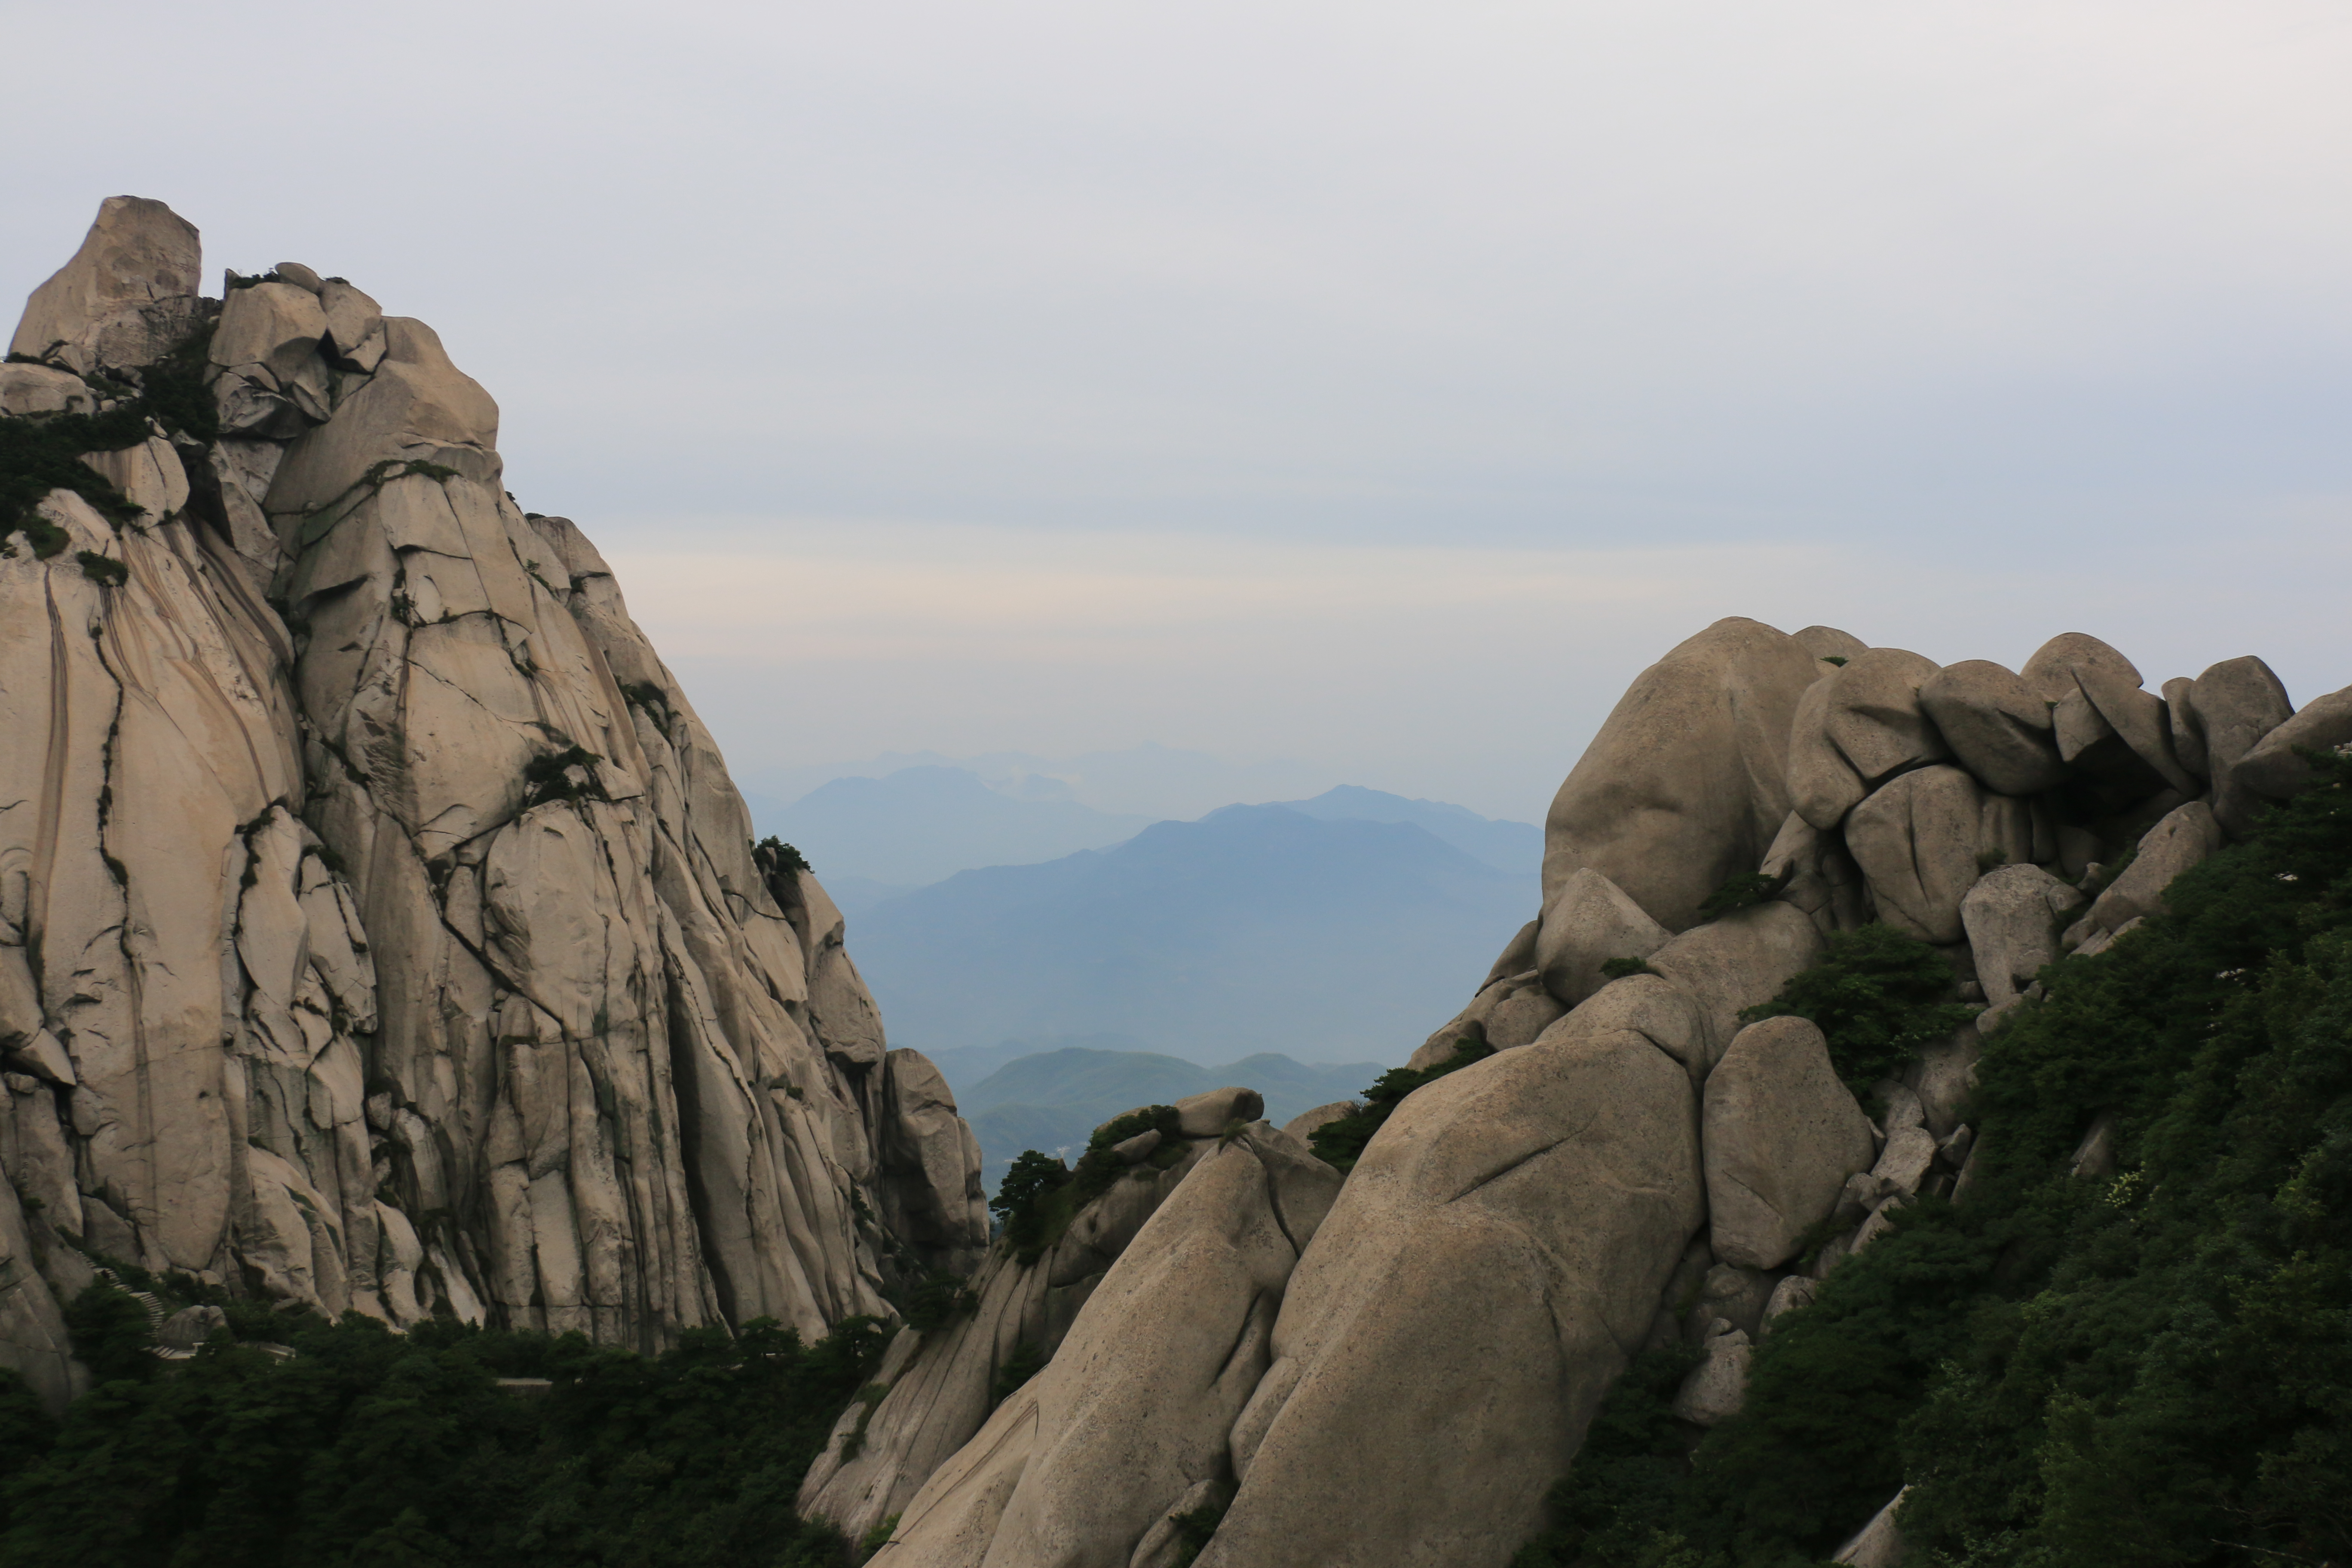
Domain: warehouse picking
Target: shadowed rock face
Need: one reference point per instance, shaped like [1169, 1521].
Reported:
[380, 913]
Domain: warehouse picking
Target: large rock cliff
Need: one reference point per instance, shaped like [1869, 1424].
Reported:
[1620, 1161]
[378, 928]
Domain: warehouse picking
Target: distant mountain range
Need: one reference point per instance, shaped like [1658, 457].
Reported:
[1052, 1100]
[1256, 929]
[873, 838]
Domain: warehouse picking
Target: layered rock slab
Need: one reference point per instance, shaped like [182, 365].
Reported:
[1545, 1193]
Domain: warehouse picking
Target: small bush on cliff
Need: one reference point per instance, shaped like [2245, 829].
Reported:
[1341, 1143]
[370, 1448]
[1039, 1195]
[1878, 995]
[1744, 891]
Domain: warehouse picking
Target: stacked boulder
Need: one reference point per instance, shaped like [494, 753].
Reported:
[378, 928]
[1632, 1165]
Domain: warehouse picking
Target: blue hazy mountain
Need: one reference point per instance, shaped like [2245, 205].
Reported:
[920, 825]
[1507, 846]
[1052, 1100]
[1256, 929]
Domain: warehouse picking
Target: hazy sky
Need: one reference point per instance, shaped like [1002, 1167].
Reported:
[1376, 385]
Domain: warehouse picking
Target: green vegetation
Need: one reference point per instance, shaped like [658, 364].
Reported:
[1878, 994]
[543, 777]
[103, 570]
[43, 453]
[1619, 968]
[1744, 891]
[1193, 1531]
[1839, 659]
[1039, 1195]
[372, 1448]
[1026, 1362]
[939, 1300]
[787, 858]
[2151, 1369]
[1340, 1143]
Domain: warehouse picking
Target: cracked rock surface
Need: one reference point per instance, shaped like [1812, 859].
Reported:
[378, 927]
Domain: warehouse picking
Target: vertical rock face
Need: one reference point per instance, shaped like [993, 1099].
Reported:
[375, 912]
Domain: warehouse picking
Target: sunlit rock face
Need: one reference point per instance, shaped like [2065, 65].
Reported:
[378, 927]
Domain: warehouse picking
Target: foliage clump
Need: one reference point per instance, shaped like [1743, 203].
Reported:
[372, 1447]
[1340, 1142]
[2146, 1369]
[547, 778]
[1619, 968]
[937, 1300]
[787, 858]
[103, 570]
[1878, 994]
[1744, 891]
[1039, 1195]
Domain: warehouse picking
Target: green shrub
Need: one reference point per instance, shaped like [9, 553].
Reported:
[1026, 1362]
[1744, 891]
[103, 570]
[786, 856]
[1340, 1143]
[1619, 968]
[1039, 1195]
[1020, 1201]
[370, 1447]
[1878, 994]
[940, 1300]
[543, 777]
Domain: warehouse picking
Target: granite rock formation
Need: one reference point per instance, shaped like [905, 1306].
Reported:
[378, 928]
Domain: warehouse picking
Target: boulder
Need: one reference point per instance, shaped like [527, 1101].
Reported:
[2051, 673]
[1828, 642]
[1731, 1295]
[2270, 768]
[1545, 1194]
[44, 389]
[2012, 917]
[1521, 1011]
[1791, 1294]
[1781, 1136]
[1213, 1112]
[1998, 727]
[355, 337]
[1879, 1543]
[1817, 876]
[1304, 1125]
[268, 334]
[1734, 963]
[2186, 836]
[1917, 842]
[1589, 921]
[125, 299]
[1164, 1544]
[418, 408]
[1647, 1004]
[1135, 1409]
[1903, 1164]
[936, 1202]
[1717, 1388]
[1685, 783]
[2187, 731]
[299, 276]
[150, 476]
[1874, 717]
[2232, 706]
[2136, 718]
[1822, 785]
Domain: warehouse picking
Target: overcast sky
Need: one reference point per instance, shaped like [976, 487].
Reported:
[1375, 385]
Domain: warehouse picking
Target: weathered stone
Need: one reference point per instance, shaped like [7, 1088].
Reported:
[268, 334]
[1781, 1135]
[1828, 642]
[2139, 719]
[125, 297]
[1716, 1389]
[1817, 876]
[2183, 838]
[1134, 1151]
[1903, 1164]
[1879, 1543]
[1214, 1111]
[1942, 1075]
[2013, 916]
[2188, 730]
[1163, 1545]
[1650, 1006]
[35, 1153]
[1998, 727]
[416, 408]
[1734, 963]
[1874, 717]
[187, 1328]
[2271, 768]
[1685, 783]
[44, 389]
[2094, 1157]
[2232, 706]
[1733, 1295]
[1521, 1013]
[150, 476]
[1790, 1294]
[1917, 842]
[1304, 1125]
[2051, 673]
[1589, 921]
[1546, 1193]
[299, 276]
[931, 1165]
[354, 336]
[1822, 785]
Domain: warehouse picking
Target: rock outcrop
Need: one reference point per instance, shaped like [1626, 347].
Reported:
[379, 929]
